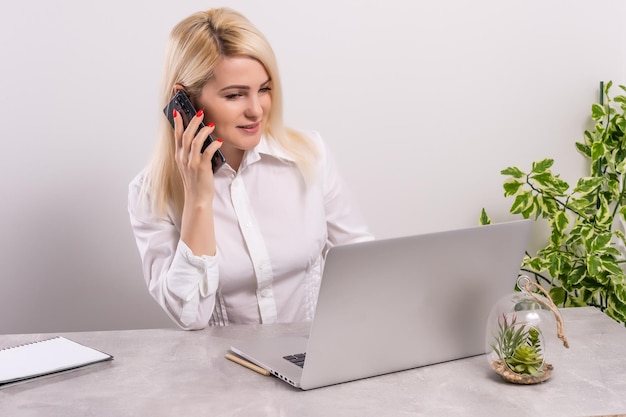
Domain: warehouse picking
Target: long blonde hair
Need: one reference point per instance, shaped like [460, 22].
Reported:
[196, 45]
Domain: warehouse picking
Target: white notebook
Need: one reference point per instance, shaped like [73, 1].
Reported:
[32, 360]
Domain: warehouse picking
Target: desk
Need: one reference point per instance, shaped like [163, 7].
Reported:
[169, 372]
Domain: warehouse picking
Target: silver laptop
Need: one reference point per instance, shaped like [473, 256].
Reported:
[395, 304]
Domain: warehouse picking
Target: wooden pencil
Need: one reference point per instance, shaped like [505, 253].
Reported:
[247, 364]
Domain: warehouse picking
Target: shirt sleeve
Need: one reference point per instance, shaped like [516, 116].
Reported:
[183, 284]
[344, 220]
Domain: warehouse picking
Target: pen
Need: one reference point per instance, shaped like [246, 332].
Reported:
[247, 364]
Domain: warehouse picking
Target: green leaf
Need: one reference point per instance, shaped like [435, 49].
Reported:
[613, 187]
[585, 231]
[582, 203]
[558, 295]
[603, 216]
[612, 268]
[616, 311]
[558, 263]
[600, 241]
[611, 251]
[577, 275]
[586, 185]
[584, 149]
[542, 166]
[545, 179]
[543, 206]
[560, 221]
[511, 187]
[532, 208]
[560, 186]
[515, 172]
[620, 295]
[594, 265]
[522, 202]
[536, 264]
[484, 218]
[597, 150]
[597, 112]
[549, 206]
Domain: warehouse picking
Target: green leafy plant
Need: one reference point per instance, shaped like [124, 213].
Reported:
[519, 346]
[581, 261]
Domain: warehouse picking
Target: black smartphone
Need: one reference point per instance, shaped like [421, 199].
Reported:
[183, 106]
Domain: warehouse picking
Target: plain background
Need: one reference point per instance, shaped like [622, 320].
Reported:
[423, 103]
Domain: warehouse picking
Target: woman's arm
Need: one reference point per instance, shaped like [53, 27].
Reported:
[344, 220]
[182, 283]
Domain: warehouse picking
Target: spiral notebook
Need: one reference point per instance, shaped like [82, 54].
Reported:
[46, 357]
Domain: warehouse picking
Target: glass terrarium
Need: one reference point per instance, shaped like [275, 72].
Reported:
[518, 334]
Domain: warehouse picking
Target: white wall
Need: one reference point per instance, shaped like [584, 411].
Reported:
[423, 102]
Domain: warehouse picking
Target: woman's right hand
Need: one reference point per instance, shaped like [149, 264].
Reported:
[195, 167]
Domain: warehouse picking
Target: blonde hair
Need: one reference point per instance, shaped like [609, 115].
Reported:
[196, 45]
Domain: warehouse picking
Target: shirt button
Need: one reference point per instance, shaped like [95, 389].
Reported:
[266, 292]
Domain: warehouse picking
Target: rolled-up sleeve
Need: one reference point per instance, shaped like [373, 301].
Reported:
[184, 284]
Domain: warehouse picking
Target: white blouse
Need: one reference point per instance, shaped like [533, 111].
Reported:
[272, 233]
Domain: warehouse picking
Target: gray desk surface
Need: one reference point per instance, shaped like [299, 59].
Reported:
[169, 372]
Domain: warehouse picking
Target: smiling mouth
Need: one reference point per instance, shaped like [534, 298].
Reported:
[251, 126]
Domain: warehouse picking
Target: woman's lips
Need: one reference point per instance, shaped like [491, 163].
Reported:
[251, 128]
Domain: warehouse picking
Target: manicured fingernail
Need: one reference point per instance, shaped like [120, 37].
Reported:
[200, 113]
[174, 113]
[211, 124]
[220, 140]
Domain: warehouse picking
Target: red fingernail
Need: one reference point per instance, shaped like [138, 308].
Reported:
[174, 113]
[211, 124]
[200, 113]
[220, 140]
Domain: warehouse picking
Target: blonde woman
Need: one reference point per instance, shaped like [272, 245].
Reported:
[244, 244]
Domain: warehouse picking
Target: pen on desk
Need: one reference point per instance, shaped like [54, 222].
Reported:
[247, 364]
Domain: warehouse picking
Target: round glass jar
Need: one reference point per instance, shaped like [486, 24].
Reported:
[518, 337]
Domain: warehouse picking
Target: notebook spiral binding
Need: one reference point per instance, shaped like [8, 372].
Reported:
[28, 344]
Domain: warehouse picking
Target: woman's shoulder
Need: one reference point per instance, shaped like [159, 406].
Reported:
[138, 200]
[136, 184]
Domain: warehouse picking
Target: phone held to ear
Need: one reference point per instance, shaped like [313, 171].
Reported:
[183, 106]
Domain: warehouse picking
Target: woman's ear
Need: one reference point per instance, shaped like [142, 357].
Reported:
[178, 87]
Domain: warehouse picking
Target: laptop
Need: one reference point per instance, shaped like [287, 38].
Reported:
[395, 304]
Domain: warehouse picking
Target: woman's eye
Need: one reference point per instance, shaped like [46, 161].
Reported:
[265, 89]
[233, 96]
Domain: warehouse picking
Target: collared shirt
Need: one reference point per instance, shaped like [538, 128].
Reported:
[272, 232]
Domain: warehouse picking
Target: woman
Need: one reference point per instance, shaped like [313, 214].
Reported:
[244, 244]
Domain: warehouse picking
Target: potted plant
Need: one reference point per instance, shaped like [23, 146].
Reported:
[582, 261]
[518, 355]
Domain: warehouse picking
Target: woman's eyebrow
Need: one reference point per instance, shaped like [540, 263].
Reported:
[242, 87]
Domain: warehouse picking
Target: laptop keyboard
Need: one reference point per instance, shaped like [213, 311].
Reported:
[297, 359]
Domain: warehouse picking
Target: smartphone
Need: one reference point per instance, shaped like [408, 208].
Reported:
[183, 106]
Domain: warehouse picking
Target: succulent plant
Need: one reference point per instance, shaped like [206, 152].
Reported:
[519, 346]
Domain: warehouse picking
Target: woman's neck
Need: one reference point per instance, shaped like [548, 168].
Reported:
[233, 156]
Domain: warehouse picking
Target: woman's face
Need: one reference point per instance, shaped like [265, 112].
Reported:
[238, 100]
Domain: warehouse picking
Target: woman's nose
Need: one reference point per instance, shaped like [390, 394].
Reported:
[254, 109]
